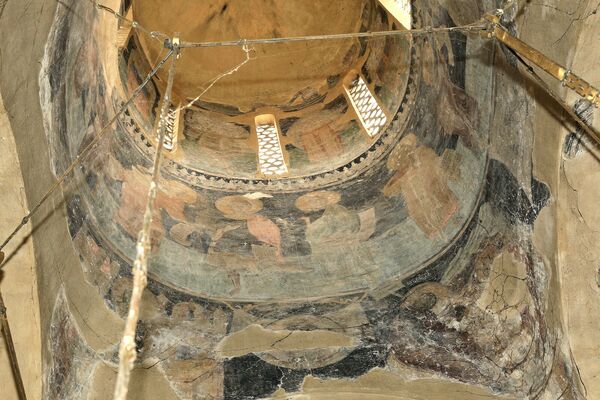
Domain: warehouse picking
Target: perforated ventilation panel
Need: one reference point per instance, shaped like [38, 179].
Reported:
[270, 156]
[171, 129]
[366, 106]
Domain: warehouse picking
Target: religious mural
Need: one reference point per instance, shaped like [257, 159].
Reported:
[408, 254]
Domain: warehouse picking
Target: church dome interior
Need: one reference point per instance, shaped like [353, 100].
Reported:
[299, 199]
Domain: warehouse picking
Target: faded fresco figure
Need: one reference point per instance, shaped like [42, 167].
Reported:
[421, 180]
[172, 198]
[334, 232]
[457, 109]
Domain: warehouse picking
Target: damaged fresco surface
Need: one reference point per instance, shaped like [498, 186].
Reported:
[411, 256]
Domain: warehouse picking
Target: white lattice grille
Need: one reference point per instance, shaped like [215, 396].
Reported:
[366, 106]
[171, 129]
[270, 155]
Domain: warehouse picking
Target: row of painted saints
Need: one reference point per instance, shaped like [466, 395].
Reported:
[239, 235]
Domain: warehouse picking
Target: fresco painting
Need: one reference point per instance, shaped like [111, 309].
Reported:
[428, 198]
[395, 257]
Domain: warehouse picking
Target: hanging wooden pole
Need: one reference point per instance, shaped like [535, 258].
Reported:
[557, 71]
[127, 349]
[12, 354]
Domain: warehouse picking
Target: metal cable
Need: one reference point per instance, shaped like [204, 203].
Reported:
[127, 348]
[86, 151]
[471, 28]
[248, 57]
[10, 347]
[134, 24]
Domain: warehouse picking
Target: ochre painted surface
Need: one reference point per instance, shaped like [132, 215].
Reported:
[279, 72]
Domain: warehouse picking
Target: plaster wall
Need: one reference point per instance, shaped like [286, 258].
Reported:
[23, 33]
[567, 230]
[578, 218]
[17, 277]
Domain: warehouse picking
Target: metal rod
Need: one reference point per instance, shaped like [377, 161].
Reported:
[127, 349]
[557, 71]
[578, 120]
[477, 27]
[12, 354]
[134, 24]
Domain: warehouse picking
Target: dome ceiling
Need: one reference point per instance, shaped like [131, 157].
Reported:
[280, 72]
[377, 208]
[304, 86]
